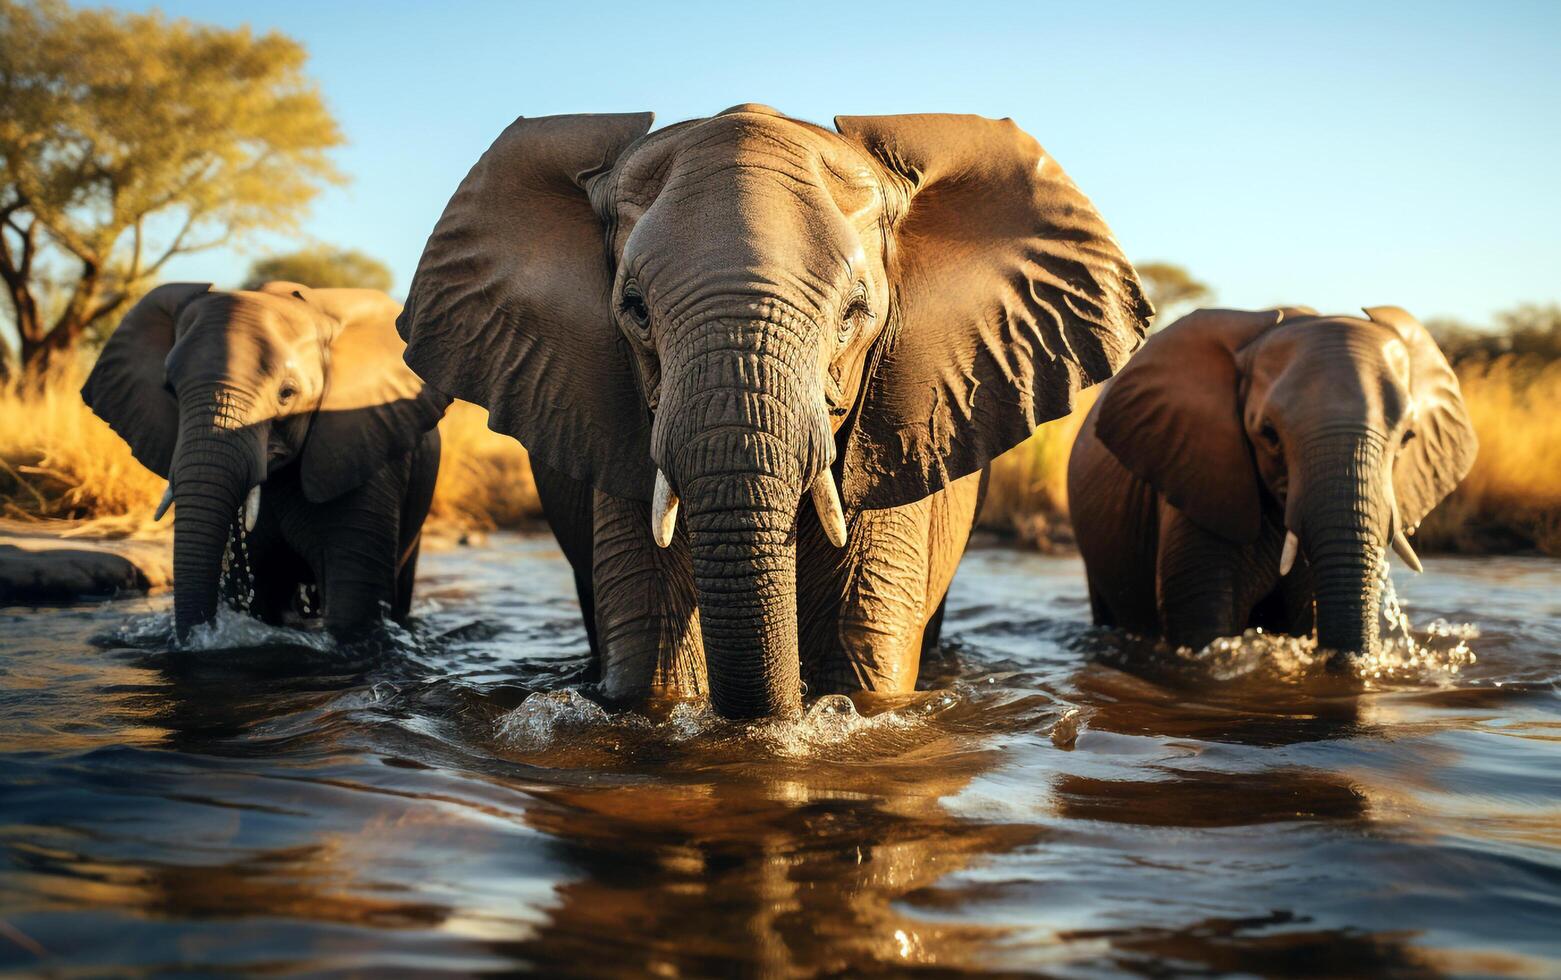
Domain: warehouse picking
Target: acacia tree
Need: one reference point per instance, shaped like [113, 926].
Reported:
[1170, 286]
[129, 139]
[322, 268]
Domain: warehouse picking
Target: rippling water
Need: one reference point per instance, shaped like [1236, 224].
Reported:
[1055, 799]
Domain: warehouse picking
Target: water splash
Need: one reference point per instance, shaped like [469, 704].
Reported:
[551, 718]
[1436, 656]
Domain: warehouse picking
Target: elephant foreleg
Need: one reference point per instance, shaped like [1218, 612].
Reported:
[1208, 587]
[567, 505]
[647, 619]
[352, 544]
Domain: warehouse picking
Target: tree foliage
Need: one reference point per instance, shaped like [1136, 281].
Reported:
[129, 139]
[1171, 287]
[322, 268]
[1531, 332]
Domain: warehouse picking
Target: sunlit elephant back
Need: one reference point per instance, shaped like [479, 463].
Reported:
[731, 315]
[299, 392]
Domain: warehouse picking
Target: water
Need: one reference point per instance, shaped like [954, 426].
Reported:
[446, 800]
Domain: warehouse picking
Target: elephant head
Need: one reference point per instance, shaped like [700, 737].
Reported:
[1347, 430]
[742, 311]
[218, 390]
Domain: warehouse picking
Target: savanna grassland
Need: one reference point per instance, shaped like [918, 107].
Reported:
[58, 461]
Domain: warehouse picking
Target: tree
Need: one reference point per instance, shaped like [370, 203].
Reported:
[1170, 286]
[322, 268]
[128, 139]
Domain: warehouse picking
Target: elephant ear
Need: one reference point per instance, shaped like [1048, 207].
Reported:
[128, 385]
[1443, 449]
[374, 408]
[510, 304]
[1173, 418]
[1010, 295]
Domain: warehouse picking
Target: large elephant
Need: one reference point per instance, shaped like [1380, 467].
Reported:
[1251, 468]
[302, 392]
[730, 314]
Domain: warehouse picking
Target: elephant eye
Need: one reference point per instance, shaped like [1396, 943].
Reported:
[1269, 435]
[286, 392]
[633, 306]
[1409, 435]
[857, 314]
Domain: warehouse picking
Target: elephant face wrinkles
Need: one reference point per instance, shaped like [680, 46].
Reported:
[1308, 382]
[261, 351]
[750, 254]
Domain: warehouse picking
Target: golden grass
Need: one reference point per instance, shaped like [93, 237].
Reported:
[57, 460]
[1511, 499]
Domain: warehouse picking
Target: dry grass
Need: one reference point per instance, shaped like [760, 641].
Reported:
[1028, 493]
[484, 477]
[1511, 500]
[57, 460]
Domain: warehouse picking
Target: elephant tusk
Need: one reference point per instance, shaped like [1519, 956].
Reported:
[663, 511]
[1404, 551]
[1400, 541]
[1287, 556]
[164, 504]
[826, 500]
[251, 508]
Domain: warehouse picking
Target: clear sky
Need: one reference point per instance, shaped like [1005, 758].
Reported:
[1332, 154]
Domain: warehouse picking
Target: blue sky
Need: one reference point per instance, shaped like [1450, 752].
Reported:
[1334, 154]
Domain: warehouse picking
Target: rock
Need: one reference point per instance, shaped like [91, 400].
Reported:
[46, 563]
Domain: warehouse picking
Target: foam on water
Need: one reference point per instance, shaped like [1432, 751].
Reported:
[832, 722]
[1436, 657]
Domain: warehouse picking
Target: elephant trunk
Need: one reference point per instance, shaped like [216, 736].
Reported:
[741, 444]
[213, 468]
[1341, 515]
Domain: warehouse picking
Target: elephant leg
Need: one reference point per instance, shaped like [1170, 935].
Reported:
[866, 609]
[422, 476]
[352, 544]
[1116, 522]
[647, 619]
[567, 505]
[1208, 587]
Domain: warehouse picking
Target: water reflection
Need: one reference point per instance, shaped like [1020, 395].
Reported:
[448, 801]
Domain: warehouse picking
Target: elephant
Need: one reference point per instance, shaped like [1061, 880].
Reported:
[300, 392]
[1250, 469]
[693, 329]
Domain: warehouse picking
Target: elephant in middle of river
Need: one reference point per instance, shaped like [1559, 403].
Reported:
[694, 330]
[1250, 469]
[286, 424]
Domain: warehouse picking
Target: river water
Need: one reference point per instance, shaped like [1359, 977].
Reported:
[1056, 800]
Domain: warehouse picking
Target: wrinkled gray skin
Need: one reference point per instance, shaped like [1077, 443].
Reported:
[1231, 428]
[766, 314]
[303, 394]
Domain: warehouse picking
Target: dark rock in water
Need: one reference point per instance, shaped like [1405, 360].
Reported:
[39, 565]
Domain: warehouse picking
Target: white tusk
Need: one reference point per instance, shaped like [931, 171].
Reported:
[1287, 556]
[826, 500]
[252, 507]
[164, 504]
[1404, 551]
[663, 511]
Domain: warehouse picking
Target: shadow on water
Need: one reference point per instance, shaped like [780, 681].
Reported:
[1056, 800]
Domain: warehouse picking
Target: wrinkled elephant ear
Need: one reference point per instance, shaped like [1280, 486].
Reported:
[510, 305]
[1010, 295]
[1443, 449]
[374, 408]
[128, 387]
[1173, 418]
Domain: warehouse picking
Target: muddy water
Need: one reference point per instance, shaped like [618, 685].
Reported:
[1056, 800]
